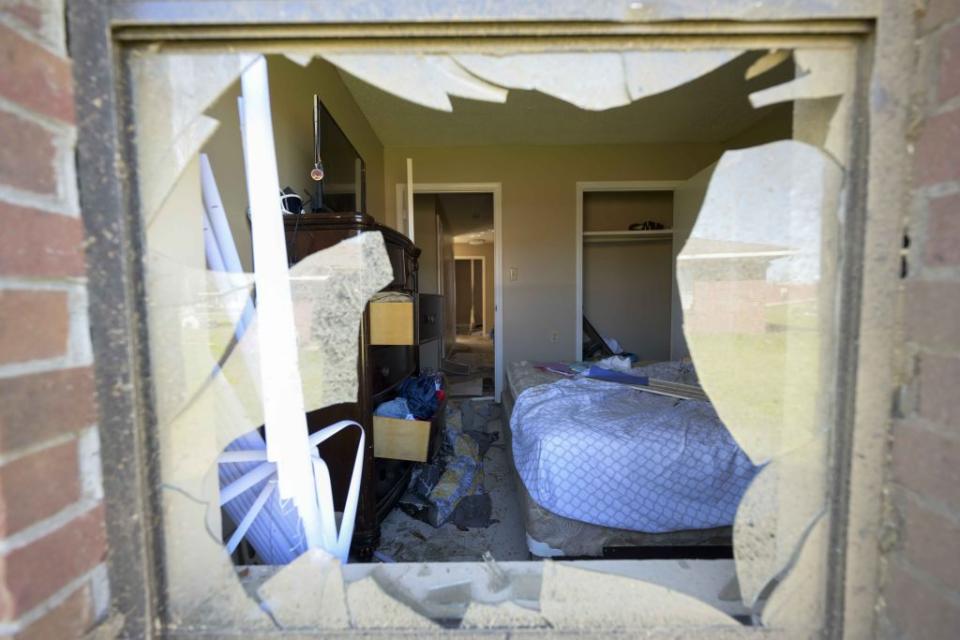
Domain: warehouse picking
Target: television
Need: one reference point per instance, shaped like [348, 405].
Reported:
[339, 173]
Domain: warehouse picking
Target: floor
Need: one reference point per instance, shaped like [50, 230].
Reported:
[406, 539]
[476, 352]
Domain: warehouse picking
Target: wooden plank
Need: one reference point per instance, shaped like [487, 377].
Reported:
[401, 439]
[391, 323]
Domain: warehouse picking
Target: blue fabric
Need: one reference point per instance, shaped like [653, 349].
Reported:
[396, 408]
[421, 396]
[609, 375]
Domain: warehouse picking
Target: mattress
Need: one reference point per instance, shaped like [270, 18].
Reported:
[607, 455]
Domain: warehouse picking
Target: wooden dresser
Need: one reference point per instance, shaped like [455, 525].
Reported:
[381, 369]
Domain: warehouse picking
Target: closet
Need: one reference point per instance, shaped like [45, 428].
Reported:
[627, 275]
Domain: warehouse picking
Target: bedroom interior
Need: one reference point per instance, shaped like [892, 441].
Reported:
[534, 367]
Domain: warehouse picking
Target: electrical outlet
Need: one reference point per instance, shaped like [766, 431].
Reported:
[555, 336]
[513, 274]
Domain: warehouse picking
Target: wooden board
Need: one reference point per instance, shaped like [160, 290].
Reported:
[391, 323]
[401, 439]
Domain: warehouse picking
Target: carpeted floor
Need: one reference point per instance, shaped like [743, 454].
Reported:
[405, 539]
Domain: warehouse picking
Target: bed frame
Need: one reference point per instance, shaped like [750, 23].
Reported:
[551, 535]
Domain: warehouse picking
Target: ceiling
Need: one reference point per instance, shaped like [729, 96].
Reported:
[468, 215]
[713, 108]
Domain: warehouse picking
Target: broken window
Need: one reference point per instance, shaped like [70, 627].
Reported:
[246, 338]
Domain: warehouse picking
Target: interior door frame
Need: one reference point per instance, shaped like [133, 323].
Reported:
[483, 288]
[496, 189]
[589, 187]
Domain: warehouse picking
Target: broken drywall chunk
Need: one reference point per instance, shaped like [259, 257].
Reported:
[757, 283]
[309, 592]
[776, 513]
[797, 603]
[373, 608]
[579, 599]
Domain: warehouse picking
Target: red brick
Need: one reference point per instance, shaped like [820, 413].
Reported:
[38, 407]
[939, 400]
[917, 610]
[70, 619]
[37, 486]
[931, 312]
[44, 245]
[949, 86]
[927, 463]
[34, 325]
[27, 13]
[27, 155]
[32, 573]
[35, 77]
[931, 542]
[943, 231]
[938, 149]
[938, 13]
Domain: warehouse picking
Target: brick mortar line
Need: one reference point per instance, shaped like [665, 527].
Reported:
[937, 507]
[67, 284]
[926, 579]
[27, 32]
[50, 124]
[48, 525]
[45, 365]
[9, 457]
[54, 601]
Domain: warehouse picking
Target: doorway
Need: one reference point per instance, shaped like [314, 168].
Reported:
[467, 218]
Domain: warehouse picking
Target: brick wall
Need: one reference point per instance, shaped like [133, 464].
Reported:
[921, 594]
[53, 581]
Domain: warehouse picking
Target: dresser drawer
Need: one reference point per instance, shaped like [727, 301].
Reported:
[388, 366]
[391, 323]
[401, 439]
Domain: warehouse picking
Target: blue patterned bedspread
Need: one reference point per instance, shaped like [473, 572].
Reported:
[610, 455]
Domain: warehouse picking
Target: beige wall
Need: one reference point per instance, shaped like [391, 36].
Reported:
[291, 104]
[485, 251]
[539, 219]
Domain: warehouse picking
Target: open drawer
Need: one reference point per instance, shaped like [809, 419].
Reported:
[401, 439]
[391, 323]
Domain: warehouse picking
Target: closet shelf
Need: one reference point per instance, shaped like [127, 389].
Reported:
[626, 235]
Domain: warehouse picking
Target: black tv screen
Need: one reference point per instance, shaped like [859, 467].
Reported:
[343, 187]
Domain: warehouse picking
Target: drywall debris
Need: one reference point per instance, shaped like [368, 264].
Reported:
[772, 59]
[579, 599]
[757, 282]
[782, 503]
[309, 592]
[373, 608]
[797, 603]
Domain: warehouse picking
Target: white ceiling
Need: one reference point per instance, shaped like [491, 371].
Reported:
[712, 108]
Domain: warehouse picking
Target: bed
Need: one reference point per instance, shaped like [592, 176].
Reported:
[600, 466]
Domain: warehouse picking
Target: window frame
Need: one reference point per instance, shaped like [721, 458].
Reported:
[101, 36]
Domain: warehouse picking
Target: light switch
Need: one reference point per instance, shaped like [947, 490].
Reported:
[513, 274]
